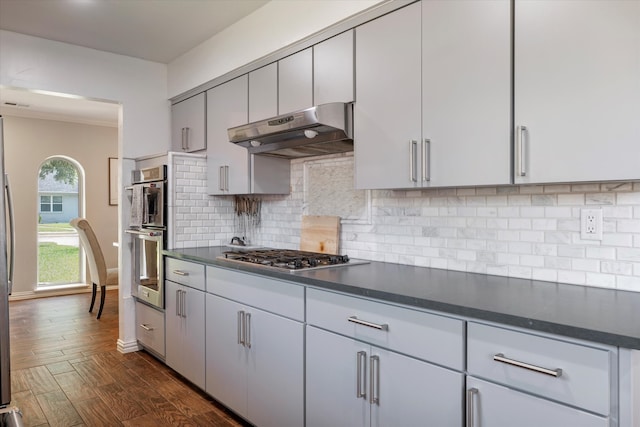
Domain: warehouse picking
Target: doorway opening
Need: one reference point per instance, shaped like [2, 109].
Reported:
[60, 199]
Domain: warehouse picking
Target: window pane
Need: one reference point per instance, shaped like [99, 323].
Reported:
[57, 207]
[57, 199]
[45, 208]
[44, 199]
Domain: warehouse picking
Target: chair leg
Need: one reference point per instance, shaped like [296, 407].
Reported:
[103, 292]
[93, 297]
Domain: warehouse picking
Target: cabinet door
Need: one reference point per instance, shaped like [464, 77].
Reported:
[332, 380]
[577, 90]
[275, 370]
[173, 326]
[295, 82]
[333, 73]
[193, 339]
[388, 108]
[497, 406]
[411, 392]
[466, 92]
[263, 92]
[226, 367]
[188, 121]
[227, 164]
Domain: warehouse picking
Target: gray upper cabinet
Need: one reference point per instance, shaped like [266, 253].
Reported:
[263, 92]
[230, 168]
[295, 82]
[333, 69]
[577, 91]
[188, 124]
[387, 113]
[227, 164]
[433, 104]
[466, 92]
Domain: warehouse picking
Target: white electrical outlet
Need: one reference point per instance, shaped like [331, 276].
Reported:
[591, 224]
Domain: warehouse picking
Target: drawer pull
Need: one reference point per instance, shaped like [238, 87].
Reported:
[145, 327]
[181, 273]
[357, 321]
[553, 372]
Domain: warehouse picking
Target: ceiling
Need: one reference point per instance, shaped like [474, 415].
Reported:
[154, 30]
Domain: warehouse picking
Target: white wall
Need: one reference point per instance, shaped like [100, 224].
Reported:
[28, 143]
[270, 28]
[141, 89]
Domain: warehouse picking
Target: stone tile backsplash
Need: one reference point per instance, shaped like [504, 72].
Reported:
[518, 231]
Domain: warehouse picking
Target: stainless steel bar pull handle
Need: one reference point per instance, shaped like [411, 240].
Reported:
[471, 393]
[426, 160]
[361, 375]
[374, 380]
[520, 150]
[145, 327]
[178, 303]
[183, 310]
[181, 273]
[247, 330]
[183, 142]
[221, 178]
[553, 372]
[241, 327]
[226, 178]
[354, 319]
[413, 149]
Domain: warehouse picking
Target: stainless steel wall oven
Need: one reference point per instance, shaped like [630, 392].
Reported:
[148, 229]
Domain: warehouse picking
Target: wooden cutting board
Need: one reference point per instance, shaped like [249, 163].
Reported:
[320, 233]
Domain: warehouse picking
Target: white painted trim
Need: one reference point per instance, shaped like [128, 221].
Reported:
[45, 293]
[128, 346]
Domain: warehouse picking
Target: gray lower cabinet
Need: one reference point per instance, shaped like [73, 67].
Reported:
[525, 379]
[150, 329]
[255, 359]
[373, 364]
[494, 405]
[185, 326]
[351, 383]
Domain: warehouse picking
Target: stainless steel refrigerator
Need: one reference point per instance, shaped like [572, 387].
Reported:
[9, 416]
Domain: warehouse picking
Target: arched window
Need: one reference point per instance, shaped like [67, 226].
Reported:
[60, 199]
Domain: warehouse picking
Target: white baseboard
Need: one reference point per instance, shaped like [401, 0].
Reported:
[128, 346]
[45, 293]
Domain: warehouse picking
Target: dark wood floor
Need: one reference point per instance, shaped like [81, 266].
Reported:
[66, 371]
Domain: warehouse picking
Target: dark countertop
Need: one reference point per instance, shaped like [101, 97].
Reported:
[601, 315]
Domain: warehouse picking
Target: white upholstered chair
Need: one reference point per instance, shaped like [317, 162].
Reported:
[100, 274]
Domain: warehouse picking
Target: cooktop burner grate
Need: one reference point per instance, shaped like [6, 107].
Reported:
[291, 260]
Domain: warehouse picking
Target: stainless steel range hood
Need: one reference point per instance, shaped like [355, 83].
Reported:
[323, 129]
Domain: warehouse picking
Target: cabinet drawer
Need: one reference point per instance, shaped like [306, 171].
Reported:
[185, 272]
[585, 377]
[275, 296]
[426, 336]
[150, 328]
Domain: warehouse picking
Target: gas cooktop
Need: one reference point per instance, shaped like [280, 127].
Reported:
[289, 260]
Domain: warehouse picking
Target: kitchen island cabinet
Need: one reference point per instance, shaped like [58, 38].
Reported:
[577, 91]
[230, 168]
[255, 362]
[185, 321]
[188, 124]
[433, 104]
